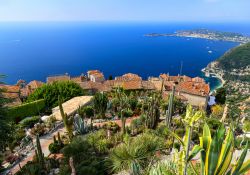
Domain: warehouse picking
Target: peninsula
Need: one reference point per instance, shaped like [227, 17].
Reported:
[206, 34]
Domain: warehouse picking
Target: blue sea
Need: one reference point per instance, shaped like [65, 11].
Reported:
[35, 50]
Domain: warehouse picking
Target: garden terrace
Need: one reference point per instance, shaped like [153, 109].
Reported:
[71, 106]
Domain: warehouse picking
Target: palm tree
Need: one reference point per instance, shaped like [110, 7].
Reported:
[136, 155]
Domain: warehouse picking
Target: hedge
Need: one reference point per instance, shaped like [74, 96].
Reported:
[17, 113]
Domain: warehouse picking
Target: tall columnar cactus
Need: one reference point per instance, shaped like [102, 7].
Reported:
[123, 120]
[152, 113]
[170, 108]
[59, 138]
[39, 152]
[68, 121]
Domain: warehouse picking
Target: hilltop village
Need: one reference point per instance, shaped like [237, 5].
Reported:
[194, 91]
[96, 126]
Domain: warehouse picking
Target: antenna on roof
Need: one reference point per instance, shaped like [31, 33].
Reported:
[181, 68]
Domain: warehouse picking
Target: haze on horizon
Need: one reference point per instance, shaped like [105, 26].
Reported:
[125, 10]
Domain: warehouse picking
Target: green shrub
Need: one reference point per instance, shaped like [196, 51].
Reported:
[26, 110]
[180, 132]
[246, 126]
[50, 92]
[213, 124]
[140, 150]
[84, 155]
[132, 103]
[99, 141]
[240, 143]
[86, 111]
[113, 126]
[29, 122]
[55, 147]
[169, 143]
[31, 168]
[177, 145]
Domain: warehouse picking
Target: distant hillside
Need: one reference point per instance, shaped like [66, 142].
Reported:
[237, 58]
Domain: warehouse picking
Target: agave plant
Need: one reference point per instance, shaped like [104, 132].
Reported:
[79, 125]
[217, 153]
[183, 157]
[167, 167]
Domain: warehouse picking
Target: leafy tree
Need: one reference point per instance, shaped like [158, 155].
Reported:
[220, 96]
[50, 92]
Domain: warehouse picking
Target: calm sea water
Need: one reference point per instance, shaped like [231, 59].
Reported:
[36, 50]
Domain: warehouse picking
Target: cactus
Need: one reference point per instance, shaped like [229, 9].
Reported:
[67, 121]
[123, 120]
[39, 152]
[152, 113]
[59, 138]
[170, 108]
[79, 125]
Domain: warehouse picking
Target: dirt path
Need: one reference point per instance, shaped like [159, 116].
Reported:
[45, 142]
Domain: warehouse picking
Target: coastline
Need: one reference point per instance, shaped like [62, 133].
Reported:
[210, 72]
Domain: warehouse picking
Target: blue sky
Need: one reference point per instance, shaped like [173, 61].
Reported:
[128, 10]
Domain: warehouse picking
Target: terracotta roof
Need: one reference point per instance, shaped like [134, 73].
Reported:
[98, 75]
[132, 85]
[175, 78]
[198, 79]
[129, 77]
[90, 72]
[148, 85]
[11, 92]
[78, 79]
[58, 78]
[29, 88]
[164, 76]
[10, 88]
[194, 88]
[96, 86]
[35, 84]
